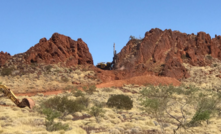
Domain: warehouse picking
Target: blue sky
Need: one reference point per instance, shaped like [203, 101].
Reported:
[100, 23]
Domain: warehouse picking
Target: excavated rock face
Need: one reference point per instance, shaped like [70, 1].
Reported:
[163, 52]
[4, 57]
[58, 48]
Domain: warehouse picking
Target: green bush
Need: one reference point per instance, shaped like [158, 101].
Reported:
[84, 88]
[49, 122]
[83, 101]
[34, 65]
[215, 65]
[64, 79]
[200, 116]
[63, 105]
[96, 111]
[107, 90]
[205, 107]
[209, 57]
[48, 68]
[6, 71]
[77, 93]
[120, 102]
[69, 87]
[91, 89]
[159, 103]
[159, 92]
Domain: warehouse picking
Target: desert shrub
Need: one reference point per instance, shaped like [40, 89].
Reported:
[120, 102]
[84, 69]
[209, 57]
[160, 103]
[63, 105]
[83, 101]
[84, 88]
[91, 89]
[205, 107]
[132, 37]
[190, 89]
[154, 91]
[96, 112]
[49, 122]
[48, 68]
[34, 64]
[57, 71]
[107, 90]
[155, 104]
[6, 71]
[215, 65]
[69, 87]
[99, 104]
[70, 70]
[77, 93]
[167, 91]
[64, 79]
[200, 116]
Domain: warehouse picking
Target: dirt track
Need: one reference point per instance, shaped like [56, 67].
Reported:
[138, 80]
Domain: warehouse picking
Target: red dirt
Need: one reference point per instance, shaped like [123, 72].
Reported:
[141, 80]
[138, 80]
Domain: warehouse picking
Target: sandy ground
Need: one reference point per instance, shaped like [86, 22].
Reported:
[25, 121]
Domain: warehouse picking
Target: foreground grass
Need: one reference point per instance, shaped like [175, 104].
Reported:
[156, 109]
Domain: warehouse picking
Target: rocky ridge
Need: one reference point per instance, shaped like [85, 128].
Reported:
[59, 49]
[4, 57]
[163, 52]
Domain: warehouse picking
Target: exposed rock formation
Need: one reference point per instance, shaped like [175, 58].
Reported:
[163, 52]
[4, 57]
[58, 48]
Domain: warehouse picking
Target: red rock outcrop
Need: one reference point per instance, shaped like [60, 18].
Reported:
[59, 48]
[163, 52]
[4, 57]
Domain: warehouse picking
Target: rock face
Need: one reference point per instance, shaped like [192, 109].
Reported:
[4, 57]
[163, 52]
[58, 48]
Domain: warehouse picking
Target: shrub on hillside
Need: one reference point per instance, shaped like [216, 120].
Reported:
[48, 68]
[64, 79]
[77, 93]
[6, 71]
[120, 102]
[91, 89]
